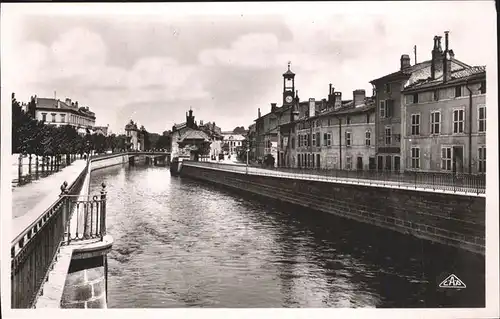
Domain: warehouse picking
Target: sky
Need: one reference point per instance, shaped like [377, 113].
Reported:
[153, 62]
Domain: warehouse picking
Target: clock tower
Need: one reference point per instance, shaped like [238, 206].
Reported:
[288, 87]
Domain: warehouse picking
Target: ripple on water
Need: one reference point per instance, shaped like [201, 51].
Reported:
[181, 243]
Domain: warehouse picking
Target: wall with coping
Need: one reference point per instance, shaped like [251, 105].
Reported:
[450, 219]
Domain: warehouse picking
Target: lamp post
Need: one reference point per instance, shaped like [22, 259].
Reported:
[248, 150]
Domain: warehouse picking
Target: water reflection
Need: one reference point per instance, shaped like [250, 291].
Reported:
[182, 243]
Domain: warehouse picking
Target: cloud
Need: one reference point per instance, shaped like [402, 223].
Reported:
[77, 65]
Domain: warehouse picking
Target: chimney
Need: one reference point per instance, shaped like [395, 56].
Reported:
[76, 104]
[405, 61]
[338, 100]
[201, 122]
[312, 107]
[68, 101]
[437, 53]
[258, 114]
[273, 107]
[359, 97]
[58, 104]
[446, 60]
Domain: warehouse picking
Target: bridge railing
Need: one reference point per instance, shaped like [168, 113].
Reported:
[464, 183]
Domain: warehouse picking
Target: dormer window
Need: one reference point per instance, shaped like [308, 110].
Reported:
[388, 88]
[482, 89]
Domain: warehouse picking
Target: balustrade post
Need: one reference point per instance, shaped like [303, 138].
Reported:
[65, 212]
[103, 211]
[36, 165]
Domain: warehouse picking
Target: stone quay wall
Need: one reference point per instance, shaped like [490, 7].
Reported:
[449, 219]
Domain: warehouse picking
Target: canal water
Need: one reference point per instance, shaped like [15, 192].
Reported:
[184, 243]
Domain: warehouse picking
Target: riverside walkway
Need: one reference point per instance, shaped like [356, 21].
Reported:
[32, 200]
[328, 176]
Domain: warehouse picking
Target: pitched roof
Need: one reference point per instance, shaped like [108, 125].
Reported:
[457, 75]
[50, 103]
[422, 70]
[191, 134]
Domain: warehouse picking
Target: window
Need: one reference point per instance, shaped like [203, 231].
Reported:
[44, 117]
[481, 159]
[318, 139]
[415, 98]
[415, 124]
[325, 138]
[348, 138]
[458, 91]
[348, 162]
[446, 158]
[482, 89]
[389, 108]
[293, 142]
[63, 118]
[458, 121]
[53, 117]
[382, 109]
[300, 140]
[328, 139]
[388, 87]
[435, 122]
[348, 120]
[368, 136]
[314, 139]
[436, 95]
[481, 118]
[367, 118]
[328, 122]
[388, 133]
[415, 157]
[298, 160]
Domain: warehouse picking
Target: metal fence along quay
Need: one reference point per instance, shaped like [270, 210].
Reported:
[429, 181]
[34, 251]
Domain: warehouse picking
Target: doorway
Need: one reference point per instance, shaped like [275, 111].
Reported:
[458, 159]
[371, 163]
[318, 162]
[359, 163]
[397, 164]
[380, 163]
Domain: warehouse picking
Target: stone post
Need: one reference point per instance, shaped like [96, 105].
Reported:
[66, 213]
[103, 211]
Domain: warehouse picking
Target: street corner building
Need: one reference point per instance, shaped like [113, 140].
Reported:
[431, 116]
[188, 139]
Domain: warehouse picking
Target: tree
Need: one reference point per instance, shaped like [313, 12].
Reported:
[239, 130]
[164, 142]
[225, 147]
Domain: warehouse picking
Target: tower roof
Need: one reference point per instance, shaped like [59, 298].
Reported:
[288, 72]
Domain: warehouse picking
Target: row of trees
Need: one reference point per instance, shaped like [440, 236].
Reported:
[30, 136]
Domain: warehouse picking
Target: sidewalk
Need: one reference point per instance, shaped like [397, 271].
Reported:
[31, 200]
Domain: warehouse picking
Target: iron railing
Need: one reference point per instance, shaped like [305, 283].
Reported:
[88, 219]
[35, 249]
[451, 182]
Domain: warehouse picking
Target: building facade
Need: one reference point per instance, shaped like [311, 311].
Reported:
[232, 142]
[445, 120]
[188, 140]
[334, 138]
[56, 112]
[135, 138]
[390, 104]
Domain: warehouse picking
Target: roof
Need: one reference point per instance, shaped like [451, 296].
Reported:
[421, 70]
[457, 75]
[191, 134]
[50, 103]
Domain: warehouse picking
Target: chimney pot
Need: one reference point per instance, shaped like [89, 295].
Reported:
[405, 61]
[359, 97]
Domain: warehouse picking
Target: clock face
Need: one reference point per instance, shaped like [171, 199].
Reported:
[288, 99]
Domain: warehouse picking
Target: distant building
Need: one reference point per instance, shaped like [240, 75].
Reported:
[444, 114]
[135, 138]
[233, 141]
[251, 141]
[56, 112]
[188, 138]
[329, 137]
[102, 130]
